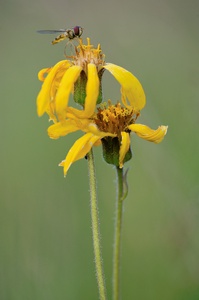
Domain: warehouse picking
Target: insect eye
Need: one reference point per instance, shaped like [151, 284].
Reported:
[77, 30]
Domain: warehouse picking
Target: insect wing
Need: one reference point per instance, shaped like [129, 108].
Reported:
[51, 31]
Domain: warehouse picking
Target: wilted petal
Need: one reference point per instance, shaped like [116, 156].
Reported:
[149, 134]
[65, 88]
[43, 72]
[44, 96]
[131, 88]
[125, 144]
[92, 91]
[61, 129]
[79, 150]
[94, 129]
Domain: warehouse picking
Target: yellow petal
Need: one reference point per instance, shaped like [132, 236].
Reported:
[61, 129]
[65, 88]
[149, 134]
[42, 73]
[51, 112]
[94, 129]
[130, 86]
[44, 96]
[79, 150]
[92, 91]
[125, 144]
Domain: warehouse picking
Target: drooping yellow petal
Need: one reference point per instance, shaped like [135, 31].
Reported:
[65, 88]
[149, 134]
[92, 91]
[62, 128]
[125, 144]
[82, 124]
[130, 86]
[42, 73]
[94, 129]
[51, 113]
[79, 150]
[44, 96]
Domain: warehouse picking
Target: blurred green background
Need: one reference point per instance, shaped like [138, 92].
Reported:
[45, 229]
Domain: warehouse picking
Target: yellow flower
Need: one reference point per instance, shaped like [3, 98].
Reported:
[81, 75]
[111, 126]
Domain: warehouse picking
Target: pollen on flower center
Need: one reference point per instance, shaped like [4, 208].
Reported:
[114, 118]
[86, 54]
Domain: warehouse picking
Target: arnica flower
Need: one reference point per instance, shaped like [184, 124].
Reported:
[107, 124]
[81, 75]
[111, 125]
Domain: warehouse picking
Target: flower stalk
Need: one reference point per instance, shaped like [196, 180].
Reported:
[117, 235]
[95, 228]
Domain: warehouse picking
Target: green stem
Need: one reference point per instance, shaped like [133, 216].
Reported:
[95, 228]
[117, 236]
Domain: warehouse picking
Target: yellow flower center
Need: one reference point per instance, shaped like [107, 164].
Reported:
[86, 54]
[114, 118]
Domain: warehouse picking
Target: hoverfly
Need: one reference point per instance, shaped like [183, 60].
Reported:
[70, 34]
